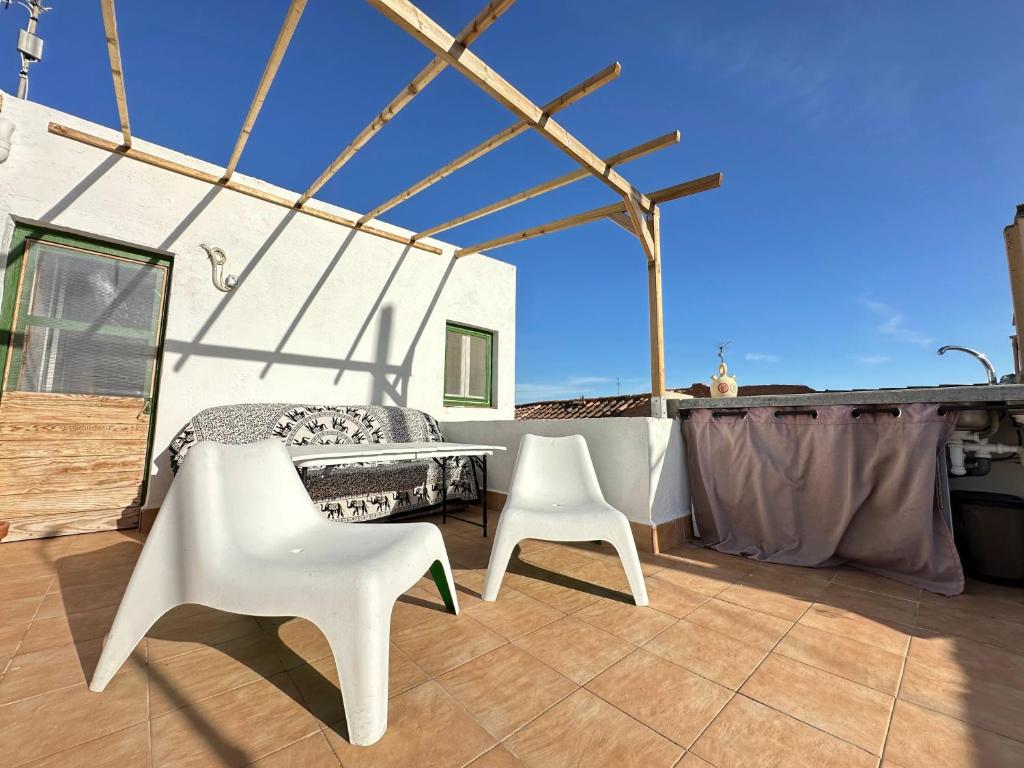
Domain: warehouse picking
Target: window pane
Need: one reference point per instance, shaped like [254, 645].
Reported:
[87, 323]
[453, 364]
[83, 363]
[477, 367]
[94, 289]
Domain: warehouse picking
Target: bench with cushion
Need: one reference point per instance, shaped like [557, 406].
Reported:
[348, 493]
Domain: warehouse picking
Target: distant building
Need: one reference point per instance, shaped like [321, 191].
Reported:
[634, 405]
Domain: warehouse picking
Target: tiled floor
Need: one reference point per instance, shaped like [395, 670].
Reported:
[734, 664]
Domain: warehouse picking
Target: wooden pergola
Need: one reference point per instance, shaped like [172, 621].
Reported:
[635, 211]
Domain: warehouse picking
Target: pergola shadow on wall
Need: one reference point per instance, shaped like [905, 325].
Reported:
[635, 211]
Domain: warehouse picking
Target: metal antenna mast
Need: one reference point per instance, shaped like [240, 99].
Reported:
[30, 46]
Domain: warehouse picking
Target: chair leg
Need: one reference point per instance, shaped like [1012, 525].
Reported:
[505, 542]
[442, 575]
[138, 612]
[359, 643]
[622, 540]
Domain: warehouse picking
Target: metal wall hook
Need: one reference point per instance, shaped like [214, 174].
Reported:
[217, 260]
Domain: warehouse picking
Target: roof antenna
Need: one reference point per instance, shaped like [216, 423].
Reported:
[30, 46]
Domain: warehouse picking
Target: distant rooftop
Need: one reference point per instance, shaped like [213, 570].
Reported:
[635, 404]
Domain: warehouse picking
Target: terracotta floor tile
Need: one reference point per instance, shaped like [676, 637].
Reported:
[605, 553]
[563, 594]
[42, 725]
[64, 630]
[718, 657]
[20, 609]
[310, 752]
[704, 581]
[672, 599]
[192, 627]
[557, 558]
[298, 641]
[128, 748]
[506, 688]
[958, 690]
[853, 577]
[234, 728]
[870, 604]
[625, 620]
[49, 669]
[584, 730]
[748, 734]
[181, 680]
[574, 648]
[81, 569]
[1004, 634]
[22, 588]
[732, 565]
[318, 683]
[499, 757]
[982, 599]
[796, 582]
[848, 710]
[756, 629]
[674, 702]
[446, 642]
[690, 760]
[853, 626]
[767, 601]
[979, 662]
[11, 635]
[99, 595]
[920, 738]
[426, 728]
[851, 659]
[513, 615]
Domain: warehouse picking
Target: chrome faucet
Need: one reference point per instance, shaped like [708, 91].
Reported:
[975, 353]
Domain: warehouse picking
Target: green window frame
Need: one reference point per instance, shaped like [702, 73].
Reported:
[14, 282]
[462, 398]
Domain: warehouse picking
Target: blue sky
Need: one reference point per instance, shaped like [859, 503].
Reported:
[872, 151]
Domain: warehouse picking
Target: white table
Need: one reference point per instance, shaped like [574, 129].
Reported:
[306, 456]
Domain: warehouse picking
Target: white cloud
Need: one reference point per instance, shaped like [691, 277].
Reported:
[894, 323]
[872, 359]
[761, 357]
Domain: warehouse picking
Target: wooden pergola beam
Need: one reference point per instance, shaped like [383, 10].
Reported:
[628, 155]
[284, 37]
[116, 70]
[490, 14]
[437, 39]
[545, 229]
[211, 178]
[571, 96]
[617, 212]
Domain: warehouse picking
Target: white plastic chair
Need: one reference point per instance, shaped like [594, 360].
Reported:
[237, 532]
[555, 496]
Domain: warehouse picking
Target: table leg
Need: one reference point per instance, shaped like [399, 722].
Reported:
[483, 493]
[444, 489]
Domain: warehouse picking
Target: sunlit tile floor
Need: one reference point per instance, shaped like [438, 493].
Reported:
[734, 664]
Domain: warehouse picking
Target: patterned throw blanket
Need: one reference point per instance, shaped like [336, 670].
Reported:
[351, 493]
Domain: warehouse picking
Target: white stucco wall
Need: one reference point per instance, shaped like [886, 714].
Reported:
[322, 314]
[639, 461]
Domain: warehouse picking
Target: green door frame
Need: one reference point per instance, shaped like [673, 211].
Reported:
[23, 233]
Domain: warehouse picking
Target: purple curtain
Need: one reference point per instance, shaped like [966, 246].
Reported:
[826, 489]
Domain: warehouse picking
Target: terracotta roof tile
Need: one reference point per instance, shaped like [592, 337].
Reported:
[635, 404]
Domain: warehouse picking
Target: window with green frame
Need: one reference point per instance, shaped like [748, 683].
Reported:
[467, 366]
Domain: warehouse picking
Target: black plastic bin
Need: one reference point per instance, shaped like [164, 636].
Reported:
[989, 533]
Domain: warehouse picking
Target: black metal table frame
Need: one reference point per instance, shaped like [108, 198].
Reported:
[476, 461]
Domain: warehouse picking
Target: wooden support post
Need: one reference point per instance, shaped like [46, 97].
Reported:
[657, 321]
[114, 52]
[284, 37]
[1014, 236]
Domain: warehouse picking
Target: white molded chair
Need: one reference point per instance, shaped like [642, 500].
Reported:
[237, 532]
[555, 496]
